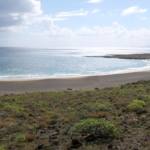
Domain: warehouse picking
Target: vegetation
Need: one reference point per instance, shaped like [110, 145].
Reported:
[2, 147]
[20, 137]
[112, 118]
[136, 105]
[98, 106]
[95, 128]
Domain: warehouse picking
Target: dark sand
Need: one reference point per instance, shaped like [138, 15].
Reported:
[7, 87]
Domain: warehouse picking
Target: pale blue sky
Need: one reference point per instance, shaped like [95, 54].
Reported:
[109, 11]
[74, 23]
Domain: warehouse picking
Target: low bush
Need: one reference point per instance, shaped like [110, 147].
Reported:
[20, 137]
[137, 106]
[2, 147]
[93, 129]
[96, 107]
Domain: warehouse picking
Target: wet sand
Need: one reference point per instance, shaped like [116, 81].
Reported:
[76, 83]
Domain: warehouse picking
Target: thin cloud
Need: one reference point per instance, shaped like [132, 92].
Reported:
[73, 13]
[94, 1]
[133, 10]
[95, 11]
[64, 15]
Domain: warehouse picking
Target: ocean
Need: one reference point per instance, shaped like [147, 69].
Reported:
[28, 63]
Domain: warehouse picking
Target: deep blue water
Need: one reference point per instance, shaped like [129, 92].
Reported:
[18, 63]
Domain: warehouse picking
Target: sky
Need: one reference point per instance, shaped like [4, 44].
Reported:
[74, 23]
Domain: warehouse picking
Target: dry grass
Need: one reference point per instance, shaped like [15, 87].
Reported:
[43, 120]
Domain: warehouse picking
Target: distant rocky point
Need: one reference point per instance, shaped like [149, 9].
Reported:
[127, 56]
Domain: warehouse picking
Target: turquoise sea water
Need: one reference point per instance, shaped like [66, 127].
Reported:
[23, 63]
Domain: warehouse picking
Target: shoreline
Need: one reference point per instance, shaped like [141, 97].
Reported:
[72, 76]
[73, 83]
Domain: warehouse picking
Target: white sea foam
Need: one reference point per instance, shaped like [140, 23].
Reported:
[59, 76]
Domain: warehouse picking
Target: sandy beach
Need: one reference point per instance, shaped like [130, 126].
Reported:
[76, 83]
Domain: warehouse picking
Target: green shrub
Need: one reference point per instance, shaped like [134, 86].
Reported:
[15, 107]
[145, 98]
[96, 128]
[20, 137]
[136, 105]
[96, 107]
[2, 147]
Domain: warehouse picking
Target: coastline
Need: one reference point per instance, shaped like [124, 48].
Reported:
[142, 56]
[74, 83]
[70, 76]
[137, 56]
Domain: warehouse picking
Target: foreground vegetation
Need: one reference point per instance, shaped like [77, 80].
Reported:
[108, 119]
